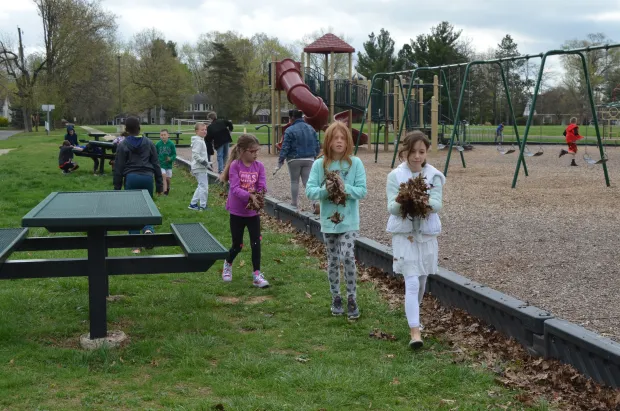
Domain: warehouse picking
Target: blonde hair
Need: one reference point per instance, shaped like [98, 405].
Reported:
[330, 134]
[573, 120]
[199, 125]
[409, 142]
[244, 142]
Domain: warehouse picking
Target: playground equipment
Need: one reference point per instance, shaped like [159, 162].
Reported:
[578, 52]
[405, 109]
[311, 95]
[522, 144]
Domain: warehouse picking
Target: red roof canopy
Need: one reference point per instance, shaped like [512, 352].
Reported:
[329, 43]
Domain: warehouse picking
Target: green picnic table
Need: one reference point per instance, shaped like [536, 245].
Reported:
[96, 213]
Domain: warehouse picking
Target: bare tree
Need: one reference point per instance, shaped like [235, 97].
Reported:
[25, 72]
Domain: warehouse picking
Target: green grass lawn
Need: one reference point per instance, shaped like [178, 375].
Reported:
[196, 342]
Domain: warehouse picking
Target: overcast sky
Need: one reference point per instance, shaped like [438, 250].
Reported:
[535, 25]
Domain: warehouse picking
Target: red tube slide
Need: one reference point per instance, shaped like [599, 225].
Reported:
[298, 93]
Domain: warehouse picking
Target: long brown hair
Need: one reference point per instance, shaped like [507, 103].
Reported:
[408, 143]
[330, 133]
[244, 142]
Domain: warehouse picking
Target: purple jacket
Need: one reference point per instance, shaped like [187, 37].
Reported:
[243, 181]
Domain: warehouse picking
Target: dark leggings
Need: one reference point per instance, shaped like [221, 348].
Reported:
[237, 228]
[96, 165]
[140, 182]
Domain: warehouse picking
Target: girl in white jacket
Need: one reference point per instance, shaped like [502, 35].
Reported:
[200, 164]
[414, 242]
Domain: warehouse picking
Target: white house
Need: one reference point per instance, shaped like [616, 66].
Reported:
[4, 110]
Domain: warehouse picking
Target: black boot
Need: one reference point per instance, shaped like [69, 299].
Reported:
[563, 152]
[573, 163]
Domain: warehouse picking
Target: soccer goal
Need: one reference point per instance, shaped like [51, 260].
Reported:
[185, 124]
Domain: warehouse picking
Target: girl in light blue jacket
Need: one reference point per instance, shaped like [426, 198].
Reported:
[414, 241]
[339, 236]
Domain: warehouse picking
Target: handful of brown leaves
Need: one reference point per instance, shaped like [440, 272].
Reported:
[335, 188]
[336, 218]
[258, 201]
[413, 198]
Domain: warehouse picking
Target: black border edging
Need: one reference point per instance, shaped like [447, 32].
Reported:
[593, 355]
[511, 316]
[537, 330]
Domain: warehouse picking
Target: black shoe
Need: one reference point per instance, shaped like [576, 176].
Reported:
[337, 306]
[416, 344]
[563, 153]
[573, 163]
[353, 310]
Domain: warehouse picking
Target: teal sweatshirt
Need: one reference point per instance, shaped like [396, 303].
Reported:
[166, 150]
[354, 178]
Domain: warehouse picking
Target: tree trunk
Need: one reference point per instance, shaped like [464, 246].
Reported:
[27, 113]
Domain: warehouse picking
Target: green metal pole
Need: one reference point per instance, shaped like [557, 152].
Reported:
[377, 141]
[529, 119]
[594, 116]
[512, 112]
[457, 116]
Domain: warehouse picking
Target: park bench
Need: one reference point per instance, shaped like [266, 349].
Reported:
[96, 213]
[155, 136]
[10, 239]
[102, 156]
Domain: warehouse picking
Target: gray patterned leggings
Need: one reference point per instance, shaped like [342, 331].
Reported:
[340, 248]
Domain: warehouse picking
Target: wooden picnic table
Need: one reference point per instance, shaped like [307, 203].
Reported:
[97, 213]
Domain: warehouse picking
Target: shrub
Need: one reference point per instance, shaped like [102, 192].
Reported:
[4, 122]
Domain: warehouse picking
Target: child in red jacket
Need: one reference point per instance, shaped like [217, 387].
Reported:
[572, 135]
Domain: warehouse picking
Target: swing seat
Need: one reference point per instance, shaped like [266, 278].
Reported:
[459, 148]
[441, 146]
[540, 152]
[503, 151]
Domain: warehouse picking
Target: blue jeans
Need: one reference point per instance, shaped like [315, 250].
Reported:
[140, 182]
[222, 157]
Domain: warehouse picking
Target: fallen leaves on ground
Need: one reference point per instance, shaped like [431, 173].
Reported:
[473, 341]
[380, 335]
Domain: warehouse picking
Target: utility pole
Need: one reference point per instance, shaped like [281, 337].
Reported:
[120, 102]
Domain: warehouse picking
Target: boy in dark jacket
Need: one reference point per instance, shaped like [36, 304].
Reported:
[137, 163]
[218, 134]
[65, 158]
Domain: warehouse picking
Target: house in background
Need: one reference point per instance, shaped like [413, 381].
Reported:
[4, 109]
[263, 116]
[197, 107]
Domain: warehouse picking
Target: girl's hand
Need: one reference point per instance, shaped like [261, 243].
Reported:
[167, 159]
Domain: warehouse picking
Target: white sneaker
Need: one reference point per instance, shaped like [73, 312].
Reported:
[227, 272]
[259, 280]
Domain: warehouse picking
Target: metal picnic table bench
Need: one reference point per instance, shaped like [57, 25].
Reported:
[96, 213]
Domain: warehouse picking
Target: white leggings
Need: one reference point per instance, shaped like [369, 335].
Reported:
[414, 292]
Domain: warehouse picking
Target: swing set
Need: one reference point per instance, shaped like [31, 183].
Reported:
[524, 150]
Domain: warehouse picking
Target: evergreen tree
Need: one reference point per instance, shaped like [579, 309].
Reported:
[378, 56]
[225, 85]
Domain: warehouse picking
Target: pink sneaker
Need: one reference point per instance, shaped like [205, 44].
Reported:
[259, 280]
[227, 272]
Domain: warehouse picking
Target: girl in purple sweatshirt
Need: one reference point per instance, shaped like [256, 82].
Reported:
[246, 178]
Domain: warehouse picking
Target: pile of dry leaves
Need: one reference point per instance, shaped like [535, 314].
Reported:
[413, 198]
[481, 345]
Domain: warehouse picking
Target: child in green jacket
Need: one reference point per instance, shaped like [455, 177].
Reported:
[167, 153]
[340, 233]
